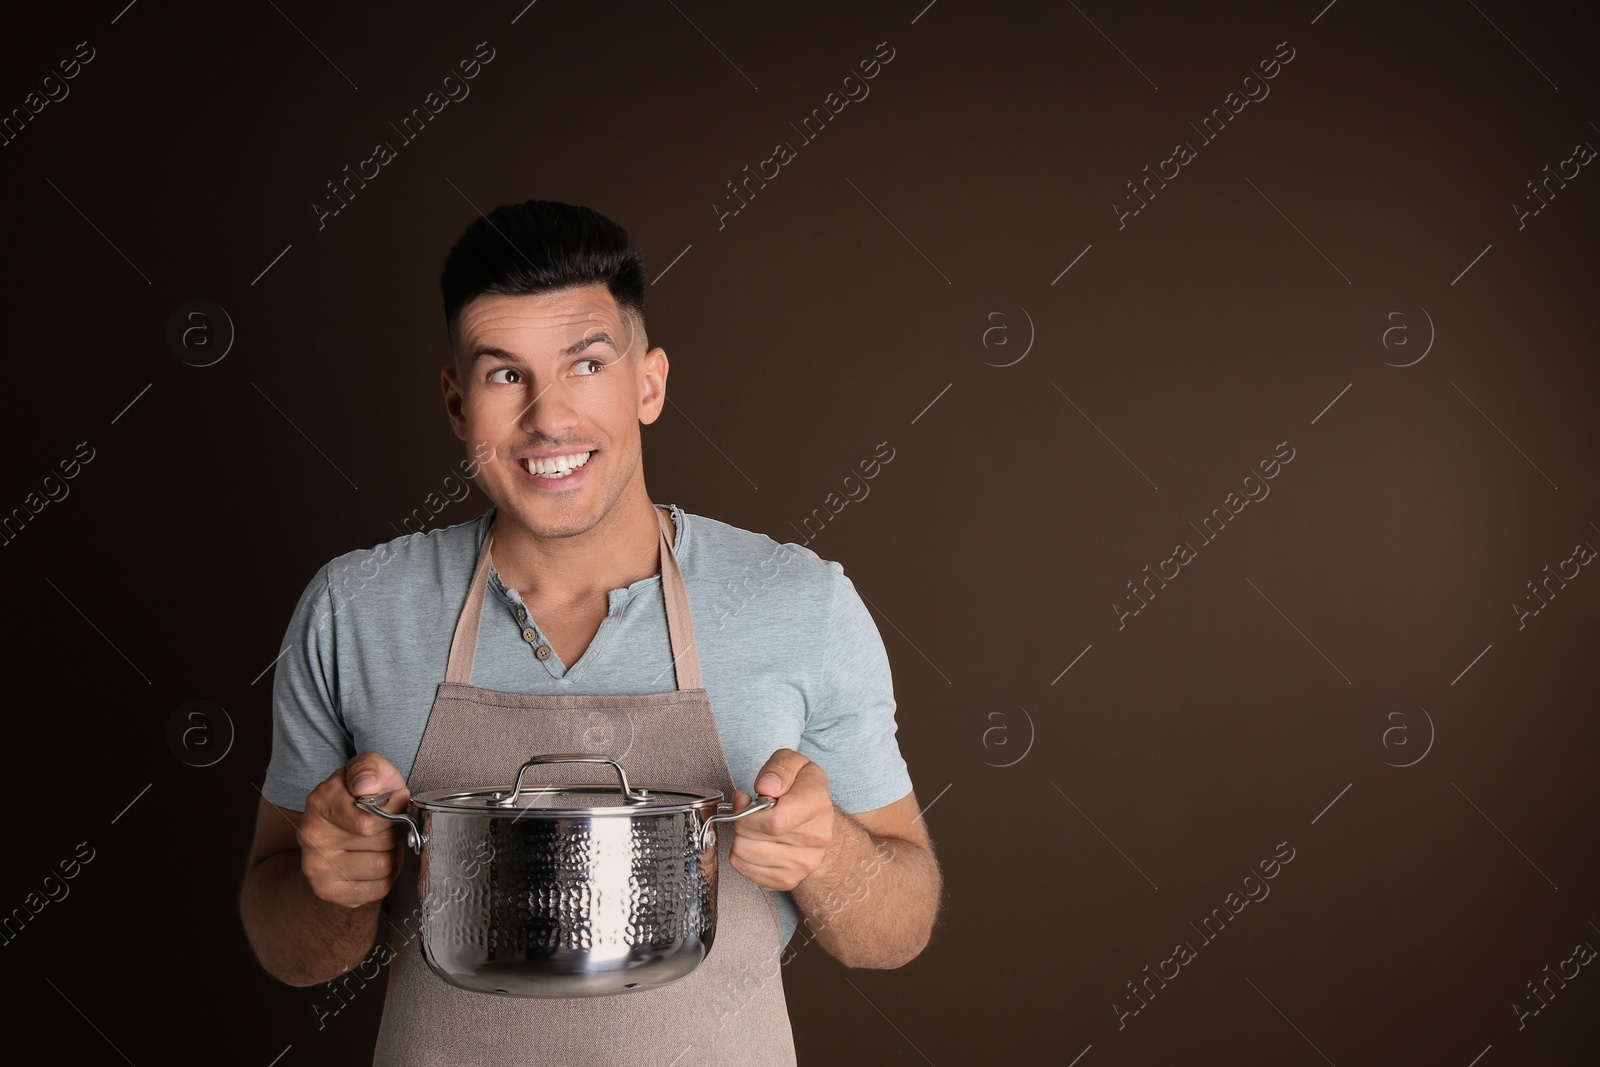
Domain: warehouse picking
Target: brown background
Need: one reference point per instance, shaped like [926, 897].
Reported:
[1145, 782]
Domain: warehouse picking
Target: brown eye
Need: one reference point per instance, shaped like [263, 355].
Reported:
[503, 370]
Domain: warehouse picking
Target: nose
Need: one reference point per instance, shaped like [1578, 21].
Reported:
[550, 411]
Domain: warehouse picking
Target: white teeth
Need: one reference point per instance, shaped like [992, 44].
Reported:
[557, 467]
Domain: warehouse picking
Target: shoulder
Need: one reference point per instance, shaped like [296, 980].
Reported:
[716, 550]
[735, 567]
[430, 566]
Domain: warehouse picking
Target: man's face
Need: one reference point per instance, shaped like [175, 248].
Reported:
[539, 382]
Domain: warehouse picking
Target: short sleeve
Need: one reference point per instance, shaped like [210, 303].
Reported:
[850, 721]
[309, 739]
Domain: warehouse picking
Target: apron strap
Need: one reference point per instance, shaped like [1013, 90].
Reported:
[464, 646]
[680, 624]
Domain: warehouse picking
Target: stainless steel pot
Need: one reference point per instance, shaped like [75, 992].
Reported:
[568, 890]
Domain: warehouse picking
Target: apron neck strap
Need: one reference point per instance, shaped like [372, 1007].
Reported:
[464, 646]
[680, 625]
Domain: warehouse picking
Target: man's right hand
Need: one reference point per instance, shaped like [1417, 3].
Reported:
[352, 857]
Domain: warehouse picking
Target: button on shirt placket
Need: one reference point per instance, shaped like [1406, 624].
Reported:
[529, 634]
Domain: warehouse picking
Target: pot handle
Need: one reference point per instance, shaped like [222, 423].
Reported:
[632, 796]
[374, 804]
[706, 836]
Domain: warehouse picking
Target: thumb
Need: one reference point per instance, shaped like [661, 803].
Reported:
[369, 773]
[777, 775]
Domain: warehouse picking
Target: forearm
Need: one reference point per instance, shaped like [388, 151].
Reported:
[300, 938]
[874, 899]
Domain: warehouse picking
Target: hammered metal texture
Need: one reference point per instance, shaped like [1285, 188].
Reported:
[565, 906]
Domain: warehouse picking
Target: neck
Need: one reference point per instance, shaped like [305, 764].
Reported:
[621, 549]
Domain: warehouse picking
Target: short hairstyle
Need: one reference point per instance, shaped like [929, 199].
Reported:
[540, 246]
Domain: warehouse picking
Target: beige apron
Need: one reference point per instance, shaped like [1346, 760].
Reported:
[730, 1010]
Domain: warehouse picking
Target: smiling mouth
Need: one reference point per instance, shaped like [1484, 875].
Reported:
[556, 467]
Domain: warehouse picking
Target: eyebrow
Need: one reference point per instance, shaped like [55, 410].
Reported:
[490, 351]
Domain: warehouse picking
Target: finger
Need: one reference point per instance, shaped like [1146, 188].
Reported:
[352, 894]
[767, 877]
[389, 837]
[777, 775]
[785, 828]
[757, 827]
[748, 859]
[355, 832]
[806, 803]
[368, 774]
[762, 853]
[332, 813]
[349, 866]
[751, 825]
[803, 798]
[348, 878]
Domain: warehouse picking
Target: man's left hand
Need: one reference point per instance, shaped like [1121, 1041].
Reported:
[778, 848]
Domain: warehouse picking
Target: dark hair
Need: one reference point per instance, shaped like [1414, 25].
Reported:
[541, 246]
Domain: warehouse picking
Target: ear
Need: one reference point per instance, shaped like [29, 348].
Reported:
[454, 399]
[651, 375]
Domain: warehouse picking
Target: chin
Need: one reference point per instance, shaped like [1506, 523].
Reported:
[548, 518]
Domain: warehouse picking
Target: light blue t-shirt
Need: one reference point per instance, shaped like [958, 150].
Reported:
[790, 658]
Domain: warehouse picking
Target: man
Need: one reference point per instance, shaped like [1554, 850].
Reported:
[551, 379]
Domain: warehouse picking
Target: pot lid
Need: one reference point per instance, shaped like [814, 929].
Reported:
[566, 799]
